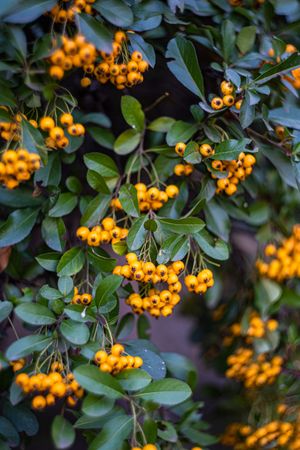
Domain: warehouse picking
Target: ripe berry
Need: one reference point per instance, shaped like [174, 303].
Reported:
[47, 123]
[227, 87]
[217, 103]
[180, 148]
[228, 100]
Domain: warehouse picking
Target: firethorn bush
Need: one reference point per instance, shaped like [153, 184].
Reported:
[149, 164]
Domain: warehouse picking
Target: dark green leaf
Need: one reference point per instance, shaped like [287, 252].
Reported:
[18, 226]
[71, 262]
[185, 65]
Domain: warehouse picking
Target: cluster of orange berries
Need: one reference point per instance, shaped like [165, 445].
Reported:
[294, 77]
[50, 387]
[147, 272]
[236, 170]
[155, 302]
[17, 166]
[183, 170]
[61, 15]
[115, 361]
[11, 131]
[205, 150]
[119, 67]
[253, 371]
[201, 282]
[74, 52]
[105, 233]
[18, 364]
[81, 299]
[228, 97]
[257, 328]
[150, 199]
[57, 137]
[283, 261]
[277, 433]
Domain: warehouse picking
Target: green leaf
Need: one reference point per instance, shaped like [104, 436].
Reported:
[127, 142]
[189, 225]
[74, 185]
[113, 434]
[95, 32]
[213, 247]
[28, 10]
[292, 62]
[125, 326]
[173, 248]
[247, 113]
[17, 226]
[167, 431]
[53, 231]
[22, 418]
[62, 432]
[102, 136]
[35, 314]
[97, 382]
[8, 431]
[246, 38]
[100, 260]
[7, 96]
[152, 362]
[5, 309]
[281, 162]
[185, 66]
[65, 204]
[97, 182]
[162, 124]
[288, 116]
[19, 198]
[79, 313]
[181, 367]
[137, 233]
[106, 288]
[27, 345]
[217, 220]
[129, 200]
[49, 175]
[65, 285]
[31, 138]
[165, 392]
[230, 149]
[132, 112]
[50, 293]
[228, 39]
[102, 164]
[75, 332]
[146, 49]
[181, 131]
[133, 379]
[115, 11]
[95, 210]
[71, 262]
[97, 118]
[95, 406]
[48, 260]
[192, 154]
